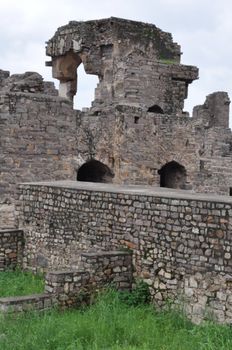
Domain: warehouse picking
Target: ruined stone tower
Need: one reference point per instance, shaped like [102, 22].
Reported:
[137, 64]
[136, 131]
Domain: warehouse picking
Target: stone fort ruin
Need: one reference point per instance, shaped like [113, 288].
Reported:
[134, 170]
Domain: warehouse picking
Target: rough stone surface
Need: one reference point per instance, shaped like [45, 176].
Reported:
[11, 248]
[175, 236]
[69, 288]
[130, 58]
[26, 303]
[97, 270]
[136, 126]
[36, 137]
[135, 133]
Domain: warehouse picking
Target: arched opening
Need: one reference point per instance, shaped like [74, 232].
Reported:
[95, 171]
[66, 69]
[86, 86]
[155, 109]
[173, 175]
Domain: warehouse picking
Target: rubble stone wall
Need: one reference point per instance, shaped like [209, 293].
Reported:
[173, 234]
[11, 248]
[38, 302]
[136, 144]
[37, 136]
[97, 270]
[69, 288]
[207, 296]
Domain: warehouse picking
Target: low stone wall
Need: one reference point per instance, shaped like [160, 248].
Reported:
[68, 288]
[109, 268]
[173, 234]
[100, 269]
[11, 248]
[26, 303]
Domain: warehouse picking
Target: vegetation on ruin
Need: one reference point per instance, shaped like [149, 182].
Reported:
[167, 61]
[111, 324]
[18, 283]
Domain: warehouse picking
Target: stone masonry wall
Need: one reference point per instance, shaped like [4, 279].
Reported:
[69, 288]
[136, 144]
[98, 270]
[38, 302]
[37, 136]
[135, 126]
[173, 234]
[208, 296]
[11, 248]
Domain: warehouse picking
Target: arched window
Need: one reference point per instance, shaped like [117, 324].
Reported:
[155, 109]
[173, 175]
[95, 171]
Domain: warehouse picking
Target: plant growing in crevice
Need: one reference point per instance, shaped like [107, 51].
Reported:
[140, 294]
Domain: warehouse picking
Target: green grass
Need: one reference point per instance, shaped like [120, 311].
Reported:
[17, 283]
[167, 61]
[111, 324]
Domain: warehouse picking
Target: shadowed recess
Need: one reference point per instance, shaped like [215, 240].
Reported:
[95, 171]
[173, 175]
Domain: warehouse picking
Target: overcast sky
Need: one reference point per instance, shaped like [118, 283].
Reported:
[203, 28]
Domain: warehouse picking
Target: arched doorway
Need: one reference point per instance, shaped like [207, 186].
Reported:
[95, 171]
[173, 175]
[155, 109]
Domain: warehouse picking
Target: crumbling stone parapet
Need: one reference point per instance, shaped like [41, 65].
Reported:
[136, 63]
[214, 112]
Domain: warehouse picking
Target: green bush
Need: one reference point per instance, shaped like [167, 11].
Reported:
[140, 295]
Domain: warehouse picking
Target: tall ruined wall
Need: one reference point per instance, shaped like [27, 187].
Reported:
[137, 144]
[136, 126]
[37, 136]
[43, 138]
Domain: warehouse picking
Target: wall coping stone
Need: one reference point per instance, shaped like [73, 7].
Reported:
[106, 253]
[65, 272]
[36, 96]
[11, 231]
[20, 299]
[133, 189]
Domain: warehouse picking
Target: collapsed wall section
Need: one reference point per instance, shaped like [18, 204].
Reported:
[137, 63]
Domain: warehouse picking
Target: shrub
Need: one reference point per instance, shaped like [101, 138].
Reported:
[140, 295]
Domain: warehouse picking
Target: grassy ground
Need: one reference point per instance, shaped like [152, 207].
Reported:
[16, 283]
[111, 325]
